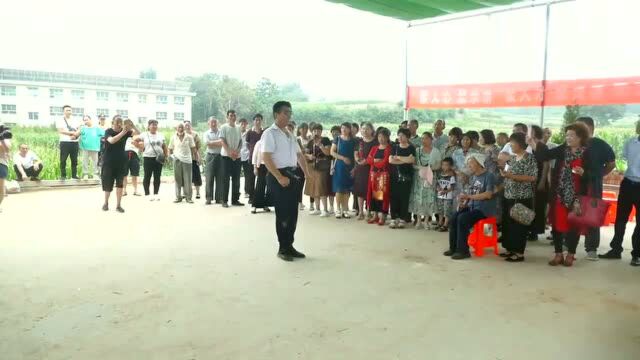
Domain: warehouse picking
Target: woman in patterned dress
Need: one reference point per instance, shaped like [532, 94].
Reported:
[423, 196]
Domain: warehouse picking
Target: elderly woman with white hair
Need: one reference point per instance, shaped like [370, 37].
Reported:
[182, 147]
[475, 204]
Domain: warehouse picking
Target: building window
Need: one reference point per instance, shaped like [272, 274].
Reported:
[77, 111]
[123, 113]
[178, 116]
[123, 97]
[55, 110]
[77, 94]
[161, 116]
[34, 116]
[8, 91]
[178, 100]
[102, 95]
[55, 93]
[34, 91]
[100, 112]
[142, 120]
[9, 109]
[142, 99]
[161, 99]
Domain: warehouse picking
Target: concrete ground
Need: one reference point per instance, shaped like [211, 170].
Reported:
[181, 281]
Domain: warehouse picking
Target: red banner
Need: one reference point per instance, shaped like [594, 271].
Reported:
[623, 90]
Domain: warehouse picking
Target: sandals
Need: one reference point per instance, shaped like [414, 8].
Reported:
[514, 258]
[557, 260]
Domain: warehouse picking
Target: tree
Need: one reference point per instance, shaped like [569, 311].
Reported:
[293, 92]
[267, 93]
[602, 115]
[149, 73]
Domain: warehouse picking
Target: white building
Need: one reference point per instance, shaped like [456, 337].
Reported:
[37, 97]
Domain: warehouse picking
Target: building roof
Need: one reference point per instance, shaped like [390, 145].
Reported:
[80, 79]
[420, 9]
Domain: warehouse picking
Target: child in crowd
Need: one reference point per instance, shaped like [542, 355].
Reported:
[445, 186]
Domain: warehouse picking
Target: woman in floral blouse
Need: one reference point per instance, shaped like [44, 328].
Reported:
[519, 176]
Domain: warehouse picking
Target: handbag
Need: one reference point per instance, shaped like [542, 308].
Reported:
[380, 180]
[592, 216]
[322, 165]
[159, 157]
[522, 214]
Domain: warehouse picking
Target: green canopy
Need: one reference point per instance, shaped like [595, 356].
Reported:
[420, 9]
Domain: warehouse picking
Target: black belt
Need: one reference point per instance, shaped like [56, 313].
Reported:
[290, 172]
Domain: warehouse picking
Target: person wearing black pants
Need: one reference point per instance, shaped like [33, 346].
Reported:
[231, 137]
[280, 154]
[151, 168]
[514, 238]
[154, 154]
[231, 170]
[249, 179]
[69, 131]
[628, 197]
[402, 159]
[69, 149]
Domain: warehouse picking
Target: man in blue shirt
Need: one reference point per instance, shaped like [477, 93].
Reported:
[628, 197]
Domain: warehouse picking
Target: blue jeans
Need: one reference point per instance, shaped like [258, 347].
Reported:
[460, 226]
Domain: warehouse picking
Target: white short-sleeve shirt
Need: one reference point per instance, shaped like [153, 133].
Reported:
[74, 124]
[26, 161]
[282, 145]
[182, 148]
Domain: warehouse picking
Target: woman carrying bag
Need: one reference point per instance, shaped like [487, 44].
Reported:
[423, 195]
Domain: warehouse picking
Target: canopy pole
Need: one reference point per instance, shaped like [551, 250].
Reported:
[406, 73]
[544, 67]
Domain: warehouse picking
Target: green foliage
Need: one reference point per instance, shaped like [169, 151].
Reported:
[602, 115]
[149, 73]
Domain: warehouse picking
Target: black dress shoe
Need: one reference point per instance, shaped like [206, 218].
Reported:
[267, 209]
[208, 202]
[225, 205]
[254, 211]
[296, 254]
[218, 202]
[448, 253]
[460, 256]
[611, 254]
[237, 203]
[285, 256]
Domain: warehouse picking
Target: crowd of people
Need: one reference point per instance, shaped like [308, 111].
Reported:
[432, 181]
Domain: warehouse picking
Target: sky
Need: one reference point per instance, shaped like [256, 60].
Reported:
[333, 51]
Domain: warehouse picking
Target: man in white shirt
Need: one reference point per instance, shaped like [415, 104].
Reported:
[440, 139]
[231, 137]
[281, 154]
[26, 164]
[245, 160]
[517, 128]
[213, 169]
[69, 131]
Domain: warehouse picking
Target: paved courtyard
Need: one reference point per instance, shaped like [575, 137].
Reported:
[186, 281]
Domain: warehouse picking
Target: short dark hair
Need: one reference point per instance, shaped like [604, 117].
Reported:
[404, 122]
[367, 124]
[292, 123]
[457, 132]
[587, 120]
[258, 115]
[384, 132]
[335, 128]
[230, 112]
[520, 139]
[428, 134]
[277, 107]
[152, 121]
[66, 106]
[414, 121]
[581, 131]
[537, 132]
[404, 132]
[303, 125]
[474, 135]
[503, 134]
[488, 137]
[243, 120]
[355, 126]
[449, 160]
[348, 126]
[522, 126]
[316, 127]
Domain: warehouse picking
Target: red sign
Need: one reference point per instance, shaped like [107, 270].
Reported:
[624, 90]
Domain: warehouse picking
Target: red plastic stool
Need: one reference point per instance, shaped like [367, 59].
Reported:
[610, 217]
[484, 235]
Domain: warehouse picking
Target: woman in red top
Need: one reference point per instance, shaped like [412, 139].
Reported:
[568, 182]
[378, 189]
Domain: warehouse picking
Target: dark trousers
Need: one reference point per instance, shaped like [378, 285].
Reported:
[68, 149]
[592, 239]
[540, 222]
[300, 173]
[231, 173]
[400, 193]
[285, 200]
[196, 177]
[570, 239]
[249, 179]
[514, 234]
[151, 167]
[262, 194]
[31, 172]
[628, 197]
[213, 174]
[460, 226]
